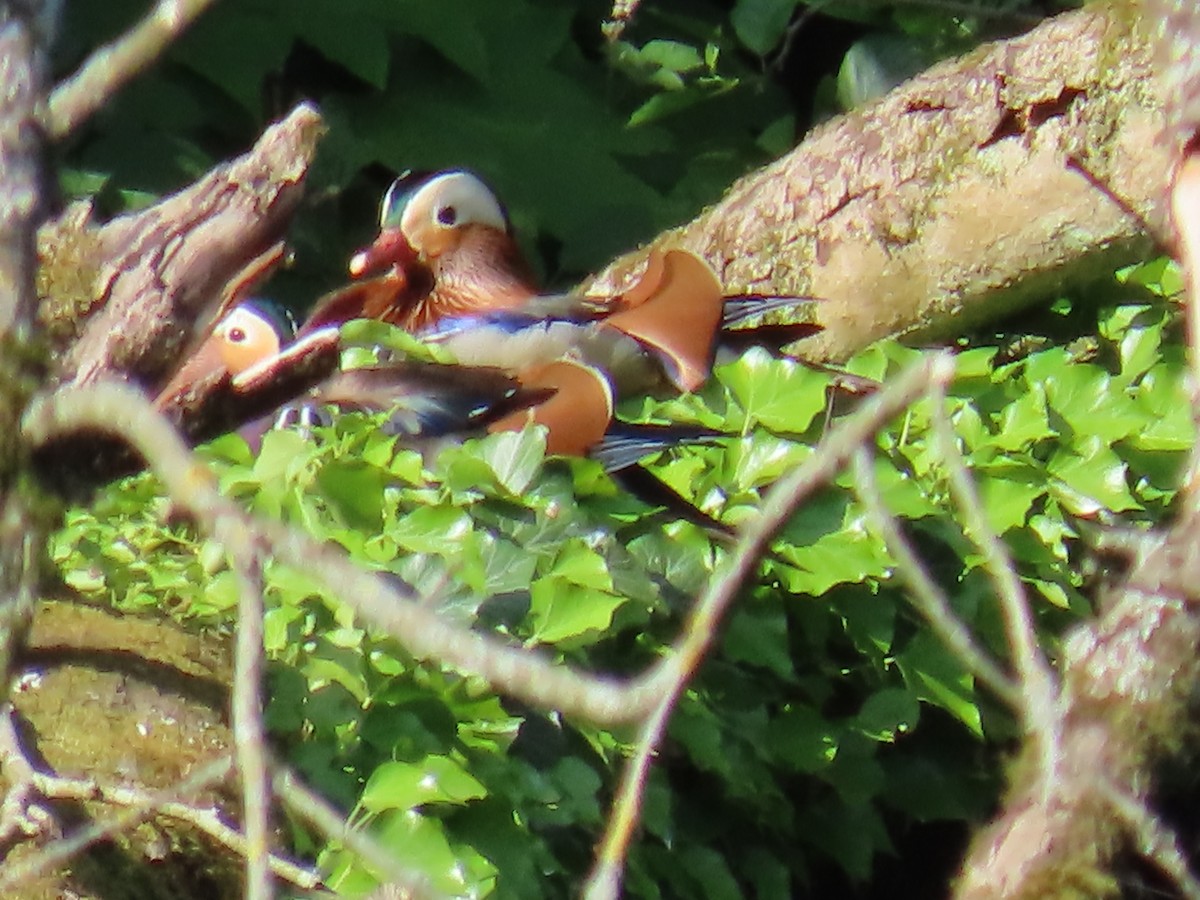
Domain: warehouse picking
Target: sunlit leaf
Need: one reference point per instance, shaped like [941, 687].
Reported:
[436, 779]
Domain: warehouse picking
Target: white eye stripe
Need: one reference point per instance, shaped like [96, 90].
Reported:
[239, 324]
[451, 200]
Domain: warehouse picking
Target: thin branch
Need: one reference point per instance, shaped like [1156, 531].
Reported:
[123, 411]
[332, 823]
[1153, 839]
[248, 728]
[110, 67]
[929, 599]
[1039, 688]
[666, 681]
[139, 805]
[17, 815]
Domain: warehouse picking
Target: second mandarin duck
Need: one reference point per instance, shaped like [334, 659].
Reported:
[446, 251]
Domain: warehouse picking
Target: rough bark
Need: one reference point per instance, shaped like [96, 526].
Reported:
[127, 297]
[953, 200]
[21, 89]
[1129, 681]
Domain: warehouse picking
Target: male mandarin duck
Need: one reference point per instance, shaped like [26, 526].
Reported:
[446, 251]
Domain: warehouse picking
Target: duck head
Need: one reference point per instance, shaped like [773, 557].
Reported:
[246, 366]
[250, 333]
[426, 216]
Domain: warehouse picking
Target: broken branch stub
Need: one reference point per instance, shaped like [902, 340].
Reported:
[146, 283]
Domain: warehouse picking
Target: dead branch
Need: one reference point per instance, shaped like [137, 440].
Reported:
[149, 281]
[956, 198]
[127, 299]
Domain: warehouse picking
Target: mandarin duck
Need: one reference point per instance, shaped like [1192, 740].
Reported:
[446, 251]
[248, 365]
[573, 400]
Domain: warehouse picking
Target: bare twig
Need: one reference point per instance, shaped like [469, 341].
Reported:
[139, 805]
[929, 599]
[108, 68]
[247, 707]
[16, 812]
[1153, 839]
[669, 677]
[1039, 707]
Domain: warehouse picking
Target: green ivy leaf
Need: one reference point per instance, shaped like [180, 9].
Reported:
[514, 457]
[1095, 478]
[780, 393]
[760, 24]
[888, 714]
[579, 564]
[1008, 502]
[356, 490]
[435, 779]
[1086, 397]
[562, 611]
[759, 637]
[802, 739]
[431, 529]
[422, 843]
[936, 676]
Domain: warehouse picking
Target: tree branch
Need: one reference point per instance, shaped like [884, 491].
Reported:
[107, 69]
[953, 200]
[150, 281]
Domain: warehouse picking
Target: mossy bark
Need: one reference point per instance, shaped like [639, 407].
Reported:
[967, 194]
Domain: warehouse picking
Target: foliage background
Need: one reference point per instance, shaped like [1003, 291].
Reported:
[831, 745]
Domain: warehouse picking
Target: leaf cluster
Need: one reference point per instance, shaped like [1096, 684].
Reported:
[829, 721]
[829, 724]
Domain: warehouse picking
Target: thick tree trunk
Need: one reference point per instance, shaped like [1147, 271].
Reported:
[955, 199]
[21, 86]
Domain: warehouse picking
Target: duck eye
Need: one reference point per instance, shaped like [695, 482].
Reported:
[236, 335]
[447, 215]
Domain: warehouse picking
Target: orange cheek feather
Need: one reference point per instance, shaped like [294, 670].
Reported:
[259, 344]
[576, 416]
